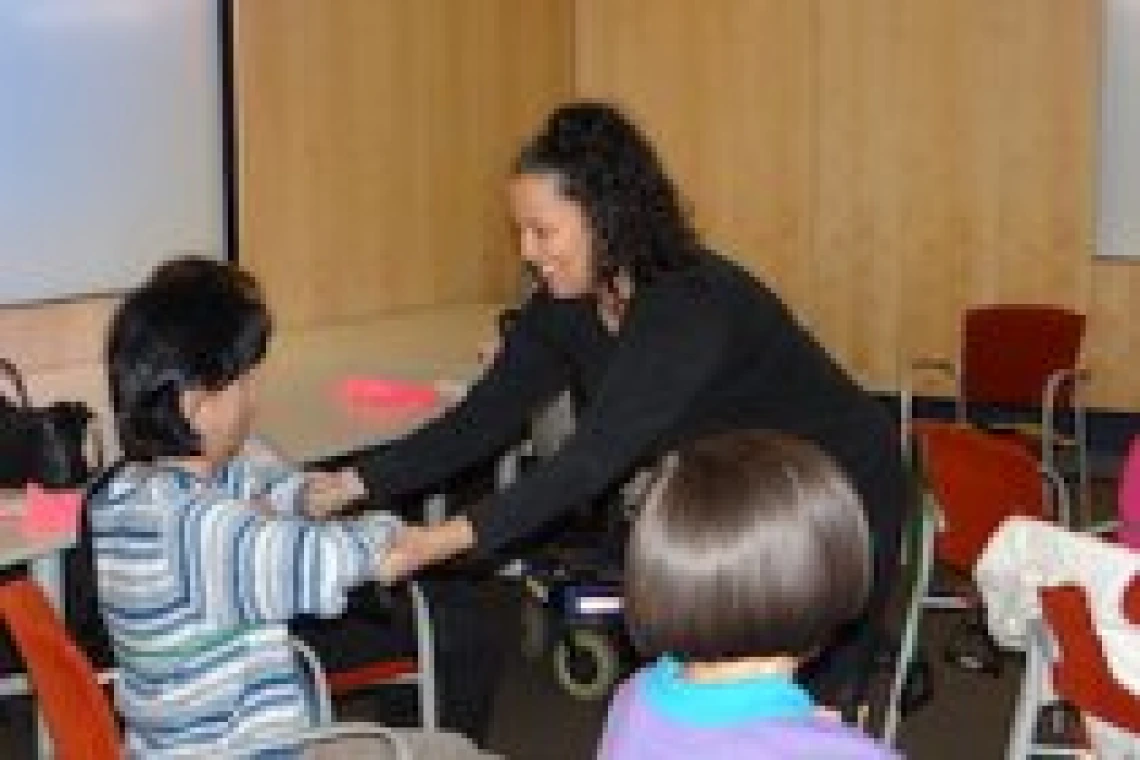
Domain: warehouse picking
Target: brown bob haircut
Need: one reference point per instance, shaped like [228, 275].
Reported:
[751, 544]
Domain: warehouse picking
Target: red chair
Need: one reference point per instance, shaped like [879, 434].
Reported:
[347, 673]
[78, 714]
[973, 481]
[1128, 498]
[1022, 357]
[1080, 672]
[977, 480]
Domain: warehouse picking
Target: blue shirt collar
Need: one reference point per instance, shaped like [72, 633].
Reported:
[719, 703]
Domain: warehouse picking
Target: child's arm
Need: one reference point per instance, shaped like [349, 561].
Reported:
[264, 477]
[259, 569]
[269, 480]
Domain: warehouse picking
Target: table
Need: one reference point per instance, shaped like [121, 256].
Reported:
[298, 412]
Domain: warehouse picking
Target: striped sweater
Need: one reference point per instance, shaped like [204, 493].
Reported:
[196, 580]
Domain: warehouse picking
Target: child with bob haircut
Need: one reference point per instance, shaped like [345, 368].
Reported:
[205, 545]
[750, 552]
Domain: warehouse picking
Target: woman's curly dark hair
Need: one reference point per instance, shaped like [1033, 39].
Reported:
[603, 162]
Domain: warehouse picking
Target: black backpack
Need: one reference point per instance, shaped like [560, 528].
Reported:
[44, 445]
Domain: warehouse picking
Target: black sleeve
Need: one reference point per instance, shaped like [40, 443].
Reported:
[668, 353]
[527, 371]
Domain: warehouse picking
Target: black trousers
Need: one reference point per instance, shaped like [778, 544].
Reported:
[379, 625]
[839, 677]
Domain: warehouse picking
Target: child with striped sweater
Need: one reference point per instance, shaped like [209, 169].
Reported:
[204, 545]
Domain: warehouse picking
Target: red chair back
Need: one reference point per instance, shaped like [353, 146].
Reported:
[1128, 498]
[978, 480]
[1082, 675]
[78, 714]
[1009, 351]
[1131, 602]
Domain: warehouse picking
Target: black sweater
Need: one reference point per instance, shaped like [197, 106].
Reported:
[701, 350]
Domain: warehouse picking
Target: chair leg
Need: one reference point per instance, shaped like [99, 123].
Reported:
[909, 643]
[973, 649]
[1028, 704]
[1084, 484]
[425, 659]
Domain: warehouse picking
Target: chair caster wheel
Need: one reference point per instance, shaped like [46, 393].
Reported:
[586, 664]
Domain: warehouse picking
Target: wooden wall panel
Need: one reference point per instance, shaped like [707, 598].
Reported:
[724, 89]
[1114, 325]
[856, 254]
[56, 335]
[373, 139]
[994, 156]
[892, 162]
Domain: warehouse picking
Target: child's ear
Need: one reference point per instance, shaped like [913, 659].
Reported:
[192, 403]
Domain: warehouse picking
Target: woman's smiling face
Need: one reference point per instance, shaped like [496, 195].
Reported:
[555, 236]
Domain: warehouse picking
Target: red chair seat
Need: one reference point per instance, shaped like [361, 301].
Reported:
[371, 674]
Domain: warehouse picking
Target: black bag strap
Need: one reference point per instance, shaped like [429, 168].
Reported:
[97, 450]
[16, 379]
[80, 584]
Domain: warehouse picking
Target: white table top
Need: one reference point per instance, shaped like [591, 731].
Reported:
[299, 413]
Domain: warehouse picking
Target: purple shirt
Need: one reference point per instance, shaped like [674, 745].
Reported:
[637, 730]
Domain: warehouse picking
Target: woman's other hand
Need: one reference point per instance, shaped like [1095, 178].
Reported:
[417, 547]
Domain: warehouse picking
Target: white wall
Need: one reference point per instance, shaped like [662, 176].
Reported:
[1119, 204]
[110, 142]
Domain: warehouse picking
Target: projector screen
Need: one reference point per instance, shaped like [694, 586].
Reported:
[111, 142]
[1118, 233]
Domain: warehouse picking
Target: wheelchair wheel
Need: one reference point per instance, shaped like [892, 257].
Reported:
[586, 664]
[535, 629]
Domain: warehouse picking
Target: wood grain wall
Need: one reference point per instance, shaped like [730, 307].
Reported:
[726, 91]
[883, 164]
[374, 136]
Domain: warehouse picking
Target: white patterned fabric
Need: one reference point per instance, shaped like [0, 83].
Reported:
[1026, 555]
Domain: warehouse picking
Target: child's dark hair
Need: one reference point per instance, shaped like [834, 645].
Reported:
[195, 324]
[752, 544]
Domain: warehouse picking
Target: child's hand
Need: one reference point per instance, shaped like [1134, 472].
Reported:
[327, 493]
[262, 505]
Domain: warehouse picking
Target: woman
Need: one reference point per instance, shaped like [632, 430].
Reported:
[660, 340]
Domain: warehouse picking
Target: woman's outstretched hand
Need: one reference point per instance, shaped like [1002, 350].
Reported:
[417, 547]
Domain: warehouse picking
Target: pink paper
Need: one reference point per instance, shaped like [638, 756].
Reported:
[371, 392]
[50, 511]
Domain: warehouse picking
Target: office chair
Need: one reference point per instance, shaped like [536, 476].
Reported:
[1021, 358]
[356, 651]
[79, 717]
[1127, 524]
[972, 481]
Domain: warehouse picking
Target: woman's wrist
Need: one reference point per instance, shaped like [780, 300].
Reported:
[458, 535]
